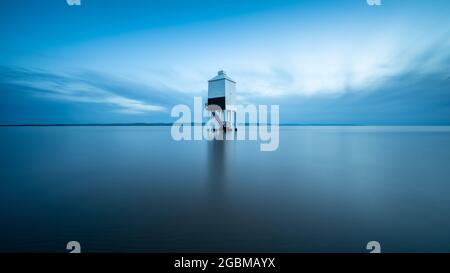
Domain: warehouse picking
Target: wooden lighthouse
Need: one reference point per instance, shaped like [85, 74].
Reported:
[222, 101]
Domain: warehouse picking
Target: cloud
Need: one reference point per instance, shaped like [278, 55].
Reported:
[298, 61]
[75, 88]
[419, 95]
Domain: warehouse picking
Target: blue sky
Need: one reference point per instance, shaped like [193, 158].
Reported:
[330, 62]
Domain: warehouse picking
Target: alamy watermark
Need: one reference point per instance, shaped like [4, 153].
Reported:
[190, 125]
[374, 247]
[73, 2]
[374, 2]
[74, 247]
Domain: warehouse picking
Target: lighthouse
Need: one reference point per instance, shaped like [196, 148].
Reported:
[222, 100]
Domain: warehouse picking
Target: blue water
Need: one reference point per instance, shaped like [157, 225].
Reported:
[134, 189]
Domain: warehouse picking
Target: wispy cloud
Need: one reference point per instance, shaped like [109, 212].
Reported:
[76, 89]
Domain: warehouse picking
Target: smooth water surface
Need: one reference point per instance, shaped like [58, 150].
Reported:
[134, 189]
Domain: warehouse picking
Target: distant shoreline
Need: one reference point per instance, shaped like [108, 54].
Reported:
[170, 124]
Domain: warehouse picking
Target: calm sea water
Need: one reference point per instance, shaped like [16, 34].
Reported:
[134, 189]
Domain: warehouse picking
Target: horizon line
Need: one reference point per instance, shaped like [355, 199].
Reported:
[194, 124]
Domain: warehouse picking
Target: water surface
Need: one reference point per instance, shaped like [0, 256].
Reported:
[134, 189]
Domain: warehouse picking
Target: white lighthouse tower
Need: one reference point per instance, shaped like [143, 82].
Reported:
[222, 100]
